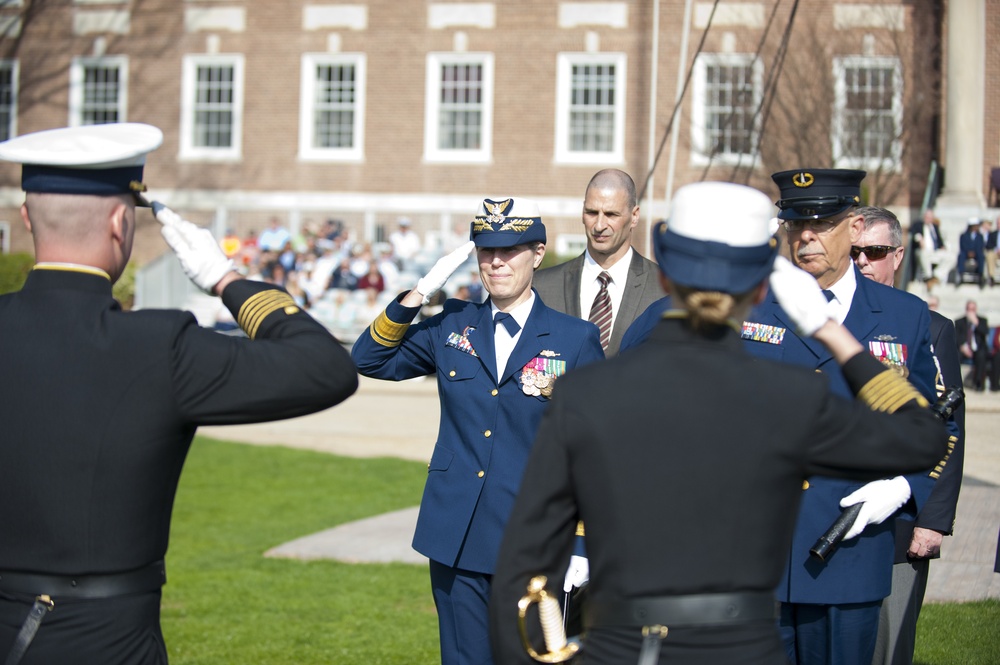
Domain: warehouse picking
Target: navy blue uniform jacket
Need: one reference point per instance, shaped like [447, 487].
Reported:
[488, 423]
[861, 568]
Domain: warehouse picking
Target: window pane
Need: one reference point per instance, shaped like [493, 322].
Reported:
[6, 100]
[729, 109]
[334, 106]
[213, 108]
[869, 123]
[592, 112]
[101, 91]
[460, 114]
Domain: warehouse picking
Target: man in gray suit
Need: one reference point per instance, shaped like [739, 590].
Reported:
[609, 270]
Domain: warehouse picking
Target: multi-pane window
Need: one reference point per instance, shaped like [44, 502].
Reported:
[590, 120]
[8, 99]
[332, 106]
[725, 98]
[869, 94]
[212, 106]
[460, 107]
[98, 90]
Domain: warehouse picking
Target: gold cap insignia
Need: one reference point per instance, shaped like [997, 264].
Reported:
[803, 179]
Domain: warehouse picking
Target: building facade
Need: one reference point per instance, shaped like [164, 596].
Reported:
[369, 110]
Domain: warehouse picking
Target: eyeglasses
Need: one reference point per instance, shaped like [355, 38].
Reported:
[872, 252]
[815, 225]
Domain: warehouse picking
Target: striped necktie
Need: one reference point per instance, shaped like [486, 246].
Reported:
[600, 311]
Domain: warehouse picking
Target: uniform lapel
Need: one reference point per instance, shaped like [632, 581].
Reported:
[863, 316]
[530, 342]
[483, 342]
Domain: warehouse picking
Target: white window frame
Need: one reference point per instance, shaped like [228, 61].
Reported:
[432, 101]
[893, 160]
[188, 150]
[701, 147]
[564, 82]
[307, 107]
[77, 85]
[15, 75]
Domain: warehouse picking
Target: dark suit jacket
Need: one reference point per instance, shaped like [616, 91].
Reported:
[939, 511]
[696, 490]
[99, 407]
[888, 321]
[559, 288]
[488, 422]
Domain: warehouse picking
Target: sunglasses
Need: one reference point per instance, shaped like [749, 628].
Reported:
[872, 252]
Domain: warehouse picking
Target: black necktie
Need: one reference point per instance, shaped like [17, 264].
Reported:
[508, 322]
[829, 295]
[600, 311]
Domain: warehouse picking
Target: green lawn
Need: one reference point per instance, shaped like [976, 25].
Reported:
[226, 604]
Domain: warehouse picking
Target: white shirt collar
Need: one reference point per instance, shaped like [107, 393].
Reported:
[519, 313]
[843, 292]
[618, 272]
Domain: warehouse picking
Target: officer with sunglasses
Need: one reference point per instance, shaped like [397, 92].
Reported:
[917, 541]
[830, 608]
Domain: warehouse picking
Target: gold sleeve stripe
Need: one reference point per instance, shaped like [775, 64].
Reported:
[888, 392]
[579, 528]
[387, 332]
[952, 440]
[260, 305]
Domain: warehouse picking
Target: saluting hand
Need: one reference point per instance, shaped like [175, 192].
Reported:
[196, 248]
[436, 277]
[800, 296]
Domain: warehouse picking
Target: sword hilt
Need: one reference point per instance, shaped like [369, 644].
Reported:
[558, 650]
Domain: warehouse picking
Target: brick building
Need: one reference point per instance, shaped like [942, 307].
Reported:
[372, 109]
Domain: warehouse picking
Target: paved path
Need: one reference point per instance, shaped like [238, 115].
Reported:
[368, 425]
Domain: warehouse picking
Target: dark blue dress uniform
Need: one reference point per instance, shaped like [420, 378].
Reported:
[99, 407]
[888, 321]
[830, 608]
[488, 420]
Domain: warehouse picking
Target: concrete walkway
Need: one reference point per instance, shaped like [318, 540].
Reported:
[388, 419]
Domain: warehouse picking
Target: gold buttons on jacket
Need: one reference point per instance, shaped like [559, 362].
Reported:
[494, 392]
[451, 373]
[805, 484]
[488, 433]
[481, 474]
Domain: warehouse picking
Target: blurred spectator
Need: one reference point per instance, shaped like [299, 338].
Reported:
[342, 277]
[405, 243]
[372, 280]
[231, 244]
[274, 236]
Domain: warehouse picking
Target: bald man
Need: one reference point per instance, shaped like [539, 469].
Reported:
[610, 283]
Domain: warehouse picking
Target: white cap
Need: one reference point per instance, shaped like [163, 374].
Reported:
[736, 215]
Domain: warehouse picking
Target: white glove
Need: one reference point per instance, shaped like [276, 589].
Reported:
[435, 278]
[799, 295]
[882, 498]
[199, 252]
[577, 574]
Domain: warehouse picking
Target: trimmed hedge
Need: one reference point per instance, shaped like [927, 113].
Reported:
[14, 269]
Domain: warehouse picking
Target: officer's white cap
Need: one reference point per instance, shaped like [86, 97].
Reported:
[93, 159]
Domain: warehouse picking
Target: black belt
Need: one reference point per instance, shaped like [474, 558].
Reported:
[148, 578]
[656, 614]
[47, 587]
